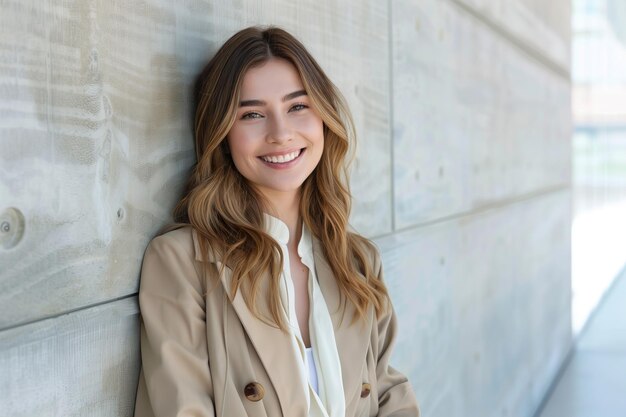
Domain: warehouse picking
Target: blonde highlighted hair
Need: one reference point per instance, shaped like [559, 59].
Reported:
[227, 213]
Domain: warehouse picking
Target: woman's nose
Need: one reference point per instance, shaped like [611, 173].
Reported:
[279, 130]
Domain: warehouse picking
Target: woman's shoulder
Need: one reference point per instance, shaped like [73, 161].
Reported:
[183, 236]
[169, 267]
[176, 235]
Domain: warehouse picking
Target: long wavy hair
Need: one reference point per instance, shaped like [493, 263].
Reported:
[227, 212]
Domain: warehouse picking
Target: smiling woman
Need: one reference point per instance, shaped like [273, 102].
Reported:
[258, 300]
[277, 138]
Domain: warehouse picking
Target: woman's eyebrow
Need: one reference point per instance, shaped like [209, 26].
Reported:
[288, 97]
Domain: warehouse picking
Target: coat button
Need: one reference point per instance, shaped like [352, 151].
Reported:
[365, 390]
[254, 391]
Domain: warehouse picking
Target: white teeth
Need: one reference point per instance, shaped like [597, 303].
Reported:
[281, 159]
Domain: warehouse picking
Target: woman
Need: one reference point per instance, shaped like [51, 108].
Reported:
[258, 301]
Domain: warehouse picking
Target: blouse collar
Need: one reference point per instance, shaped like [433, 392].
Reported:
[280, 232]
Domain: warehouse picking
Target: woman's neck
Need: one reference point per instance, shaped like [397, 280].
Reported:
[286, 206]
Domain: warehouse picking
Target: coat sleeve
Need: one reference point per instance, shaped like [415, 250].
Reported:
[175, 379]
[395, 394]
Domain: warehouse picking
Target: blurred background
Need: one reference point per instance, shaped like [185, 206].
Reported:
[593, 380]
[490, 172]
[599, 140]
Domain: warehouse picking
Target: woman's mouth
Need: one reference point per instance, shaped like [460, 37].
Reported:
[284, 159]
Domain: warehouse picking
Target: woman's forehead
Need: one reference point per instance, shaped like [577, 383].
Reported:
[271, 81]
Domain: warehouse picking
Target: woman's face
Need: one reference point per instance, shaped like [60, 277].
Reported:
[277, 138]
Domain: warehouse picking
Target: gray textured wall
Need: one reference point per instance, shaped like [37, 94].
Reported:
[462, 178]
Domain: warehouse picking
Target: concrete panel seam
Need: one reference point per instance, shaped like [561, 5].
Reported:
[529, 50]
[64, 313]
[481, 209]
[391, 115]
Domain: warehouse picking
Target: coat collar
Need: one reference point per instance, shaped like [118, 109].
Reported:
[274, 348]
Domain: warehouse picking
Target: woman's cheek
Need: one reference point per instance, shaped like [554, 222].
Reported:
[243, 139]
[313, 127]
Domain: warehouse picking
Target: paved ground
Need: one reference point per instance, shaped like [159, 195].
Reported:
[594, 382]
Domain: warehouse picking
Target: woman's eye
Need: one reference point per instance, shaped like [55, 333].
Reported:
[298, 107]
[251, 115]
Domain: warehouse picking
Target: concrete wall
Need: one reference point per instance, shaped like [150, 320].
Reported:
[462, 178]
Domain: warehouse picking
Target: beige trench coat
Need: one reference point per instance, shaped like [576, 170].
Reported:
[207, 356]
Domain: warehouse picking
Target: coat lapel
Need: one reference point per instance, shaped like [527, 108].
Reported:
[352, 339]
[271, 344]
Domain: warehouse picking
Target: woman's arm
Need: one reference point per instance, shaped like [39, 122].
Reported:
[173, 334]
[395, 394]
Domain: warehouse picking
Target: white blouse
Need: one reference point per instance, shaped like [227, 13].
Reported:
[312, 372]
[320, 367]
